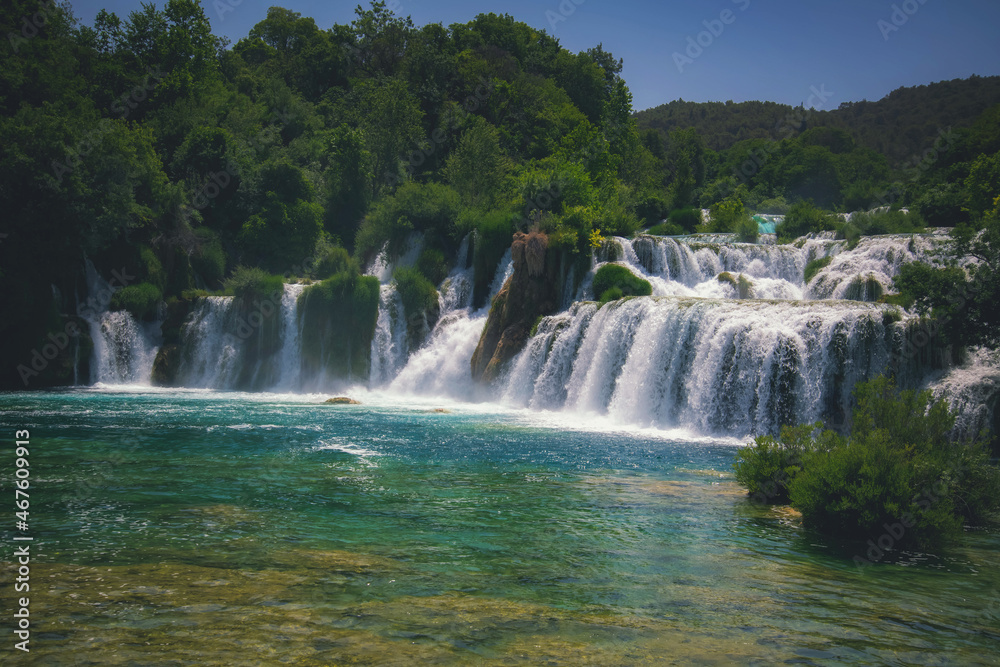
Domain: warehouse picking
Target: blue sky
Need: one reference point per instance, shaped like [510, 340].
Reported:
[776, 50]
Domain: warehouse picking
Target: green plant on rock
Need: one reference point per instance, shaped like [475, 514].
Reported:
[338, 322]
[250, 283]
[814, 267]
[615, 281]
[142, 300]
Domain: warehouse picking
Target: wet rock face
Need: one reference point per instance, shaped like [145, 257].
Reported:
[529, 293]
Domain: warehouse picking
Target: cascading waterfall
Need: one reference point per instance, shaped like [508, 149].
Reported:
[389, 346]
[694, 355]
[290, 365]
[124, 349]
[211, 347]
[441, 367]
[973, 393]
[714, 366]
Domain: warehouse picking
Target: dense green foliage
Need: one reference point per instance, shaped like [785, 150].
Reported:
[898, 471]
[147, 131]
[961, 300]
[141, 300]
[917, 114]
[803, 218]
[613, 281]
[249, 283]
[338, 322]
[417, 293]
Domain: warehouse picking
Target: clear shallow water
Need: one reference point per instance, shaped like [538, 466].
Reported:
[208, 528]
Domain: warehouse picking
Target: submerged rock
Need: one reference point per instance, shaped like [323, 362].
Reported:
[342, 400]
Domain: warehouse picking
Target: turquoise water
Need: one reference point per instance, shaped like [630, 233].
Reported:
[209, 528]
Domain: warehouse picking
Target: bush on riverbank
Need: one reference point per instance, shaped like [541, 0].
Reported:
[898, 469]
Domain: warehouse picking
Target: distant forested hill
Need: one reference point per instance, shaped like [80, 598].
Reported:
[900, 125]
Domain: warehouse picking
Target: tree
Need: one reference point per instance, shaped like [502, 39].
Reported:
[478, 168]
[390, 118]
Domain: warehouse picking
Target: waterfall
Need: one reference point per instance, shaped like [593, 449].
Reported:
[211, 350]
[389, 346]
[442, 366]
[290, 364]
[973, 393]
[695, 355]
[124, 349]
[875, 261]
[716, 366]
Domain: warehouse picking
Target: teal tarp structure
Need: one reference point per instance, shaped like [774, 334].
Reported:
[764, 226]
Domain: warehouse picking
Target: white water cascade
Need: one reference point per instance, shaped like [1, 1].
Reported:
[124, 349]
[714, 366]
[217, 341]
[693, 267]
[290, 357]
[211, 350]
[389, 346]
[733, 340]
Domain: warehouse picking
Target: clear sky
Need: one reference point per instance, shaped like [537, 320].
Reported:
[776, 50]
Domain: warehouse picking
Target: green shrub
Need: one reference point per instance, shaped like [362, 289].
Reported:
[775, 206]
[803, 218]
[747, 230]
[815, 266]
[433, 265]
[726, 277]
[417, 293]
[767, 467]
[666, 229]
[338, 322]
[892, 221]
[332, 260]
[864, 288]
[898, 473]
[429, 208]
[250, 283]
[612, 294]
[727, 216]
[744, 287]
[688, 219]
[617, 277]
[652, 209]
[209, 259]
[152, 268]
[142, 300]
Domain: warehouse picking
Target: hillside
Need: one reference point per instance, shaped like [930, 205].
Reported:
[900, 125]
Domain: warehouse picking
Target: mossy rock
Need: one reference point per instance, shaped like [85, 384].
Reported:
[814, 267]
[727, 278]
[342, 400]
